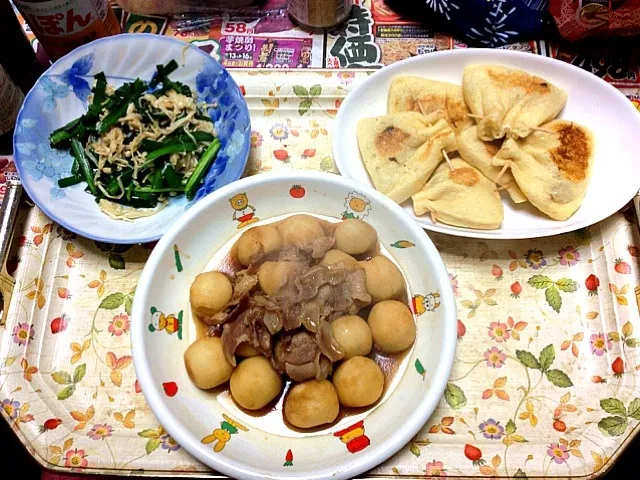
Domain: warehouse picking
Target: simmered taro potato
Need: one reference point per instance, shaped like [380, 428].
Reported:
[335, 256]
[272, 276]
[257, 240]
[359, 382]
[254, 383]
[311, 403]
[384, 280]
[209, 293]
[353, 236]
[392, 326]
[353, 335]
[300, 230]
[206, 364]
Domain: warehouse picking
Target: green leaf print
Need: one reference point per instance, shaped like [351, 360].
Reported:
[152, 445]
[613, 406]
[552, 289]
[300, 91]
[520, 474]
[148, 433]
[61, 378]
[547, 356]
[567, 285]
[113, 301]
[454, 396]
[305, 105]
[528, 359]
[415, 449]
[128, 302]
[510, 428]
[79, 372]
[116, 261]
[559, 378]
[634, 409]
[553, 298]
[540, 282]
[613, 426]
[632, 342]
[315, 90]
[66, 392]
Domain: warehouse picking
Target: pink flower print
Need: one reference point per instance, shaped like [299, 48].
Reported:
[569, 256]
[23, 333]
[454, 284]
[499, 331]
[435, 469]
[75, 459]
[256, 139]
[599, 344]
[558, 453]
[346, 77]
[119, 325]
[494, 357]
[100, 432]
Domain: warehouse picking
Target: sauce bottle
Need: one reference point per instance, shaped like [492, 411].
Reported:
[319, 14]
[62, 25]
[17, 57]
[12, 98]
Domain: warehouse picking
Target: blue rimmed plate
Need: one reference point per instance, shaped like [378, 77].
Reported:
[60, 95]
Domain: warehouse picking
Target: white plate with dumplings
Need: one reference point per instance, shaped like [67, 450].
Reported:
[534, 146]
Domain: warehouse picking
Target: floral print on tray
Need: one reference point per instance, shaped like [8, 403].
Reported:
[545, 381]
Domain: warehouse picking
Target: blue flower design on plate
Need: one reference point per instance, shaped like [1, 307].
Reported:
[232, 124]
[43, 161]
[73, 76]
[53, 91]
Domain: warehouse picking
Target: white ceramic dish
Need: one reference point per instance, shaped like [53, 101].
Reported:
[253, 448]
[592, 102]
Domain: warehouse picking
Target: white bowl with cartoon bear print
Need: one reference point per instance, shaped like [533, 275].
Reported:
[211, 426]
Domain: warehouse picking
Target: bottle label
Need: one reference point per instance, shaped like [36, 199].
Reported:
[62, 25]
[12, 98]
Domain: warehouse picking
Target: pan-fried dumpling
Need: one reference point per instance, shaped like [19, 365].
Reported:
[480, 154]
[511, 102]
[462, 197]
[400, 151]
[415, 94]
[551, 169]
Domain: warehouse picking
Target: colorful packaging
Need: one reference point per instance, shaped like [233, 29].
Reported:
[577, 19]
[62, 25]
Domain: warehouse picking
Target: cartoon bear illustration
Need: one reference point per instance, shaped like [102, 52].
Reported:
[425, 303]
[244, 212]
[169, 323]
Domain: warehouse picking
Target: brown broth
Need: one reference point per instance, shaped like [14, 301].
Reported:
[271, 417]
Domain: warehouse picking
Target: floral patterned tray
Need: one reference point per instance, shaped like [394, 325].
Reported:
[546, 379]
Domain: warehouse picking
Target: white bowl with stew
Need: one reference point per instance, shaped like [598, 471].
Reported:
[262, 443]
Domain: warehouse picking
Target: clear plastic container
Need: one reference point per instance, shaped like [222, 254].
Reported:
[172, 7]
